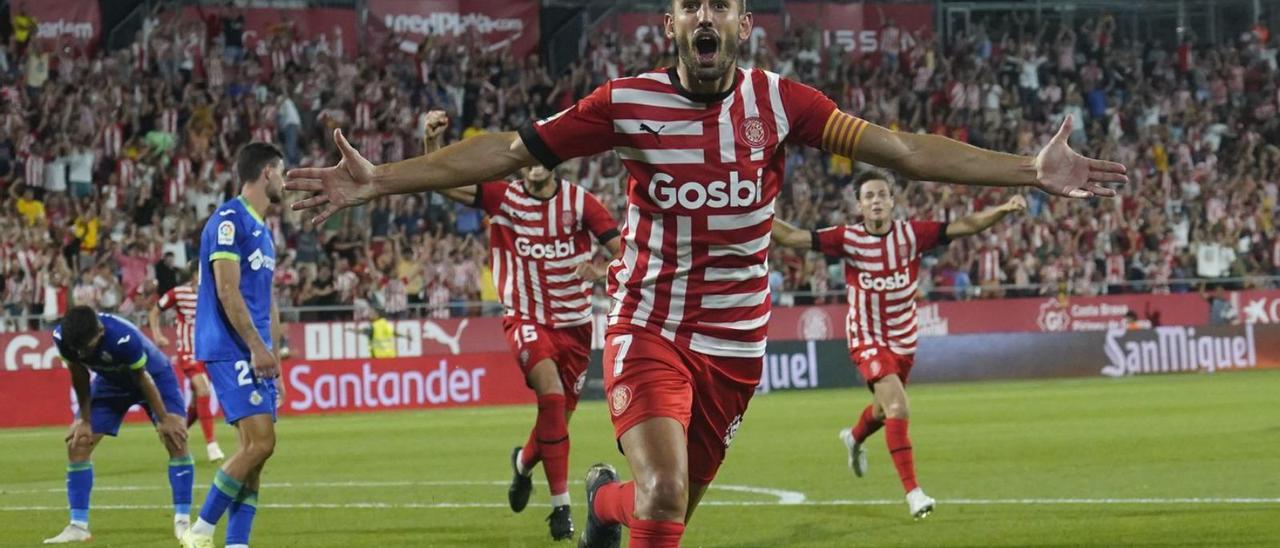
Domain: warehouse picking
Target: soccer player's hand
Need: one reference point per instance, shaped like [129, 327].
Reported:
[280, 393]
[173, 430]
[81, 433]
[350, 183]
[1015, 204]
[588, 271]
[1064, 172]
[265, 364]
[437, 122]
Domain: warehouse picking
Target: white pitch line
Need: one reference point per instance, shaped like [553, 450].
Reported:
[456, 505]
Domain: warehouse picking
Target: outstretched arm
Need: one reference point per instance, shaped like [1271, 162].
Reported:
[787, 235]
[1056, 169]
[355, 180]
[982, 220]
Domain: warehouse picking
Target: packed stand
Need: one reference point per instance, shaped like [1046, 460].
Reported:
[111, 161]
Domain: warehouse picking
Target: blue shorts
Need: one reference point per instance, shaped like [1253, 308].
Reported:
[111, 400]
[240, 392]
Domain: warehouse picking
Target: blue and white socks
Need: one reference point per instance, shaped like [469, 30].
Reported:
[79, 485]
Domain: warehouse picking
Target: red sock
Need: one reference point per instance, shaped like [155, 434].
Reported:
[529, 455]
[615, 503]
[206, 417]
[656, 534]
[553, 442]
[895, 434]
[867, 425]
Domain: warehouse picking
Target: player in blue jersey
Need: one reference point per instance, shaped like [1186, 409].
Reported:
[130, 371]
[237, 328]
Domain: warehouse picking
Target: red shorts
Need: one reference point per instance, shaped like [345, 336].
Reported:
[878, 362]
[647, 376]
[568, 347]
[189, 365]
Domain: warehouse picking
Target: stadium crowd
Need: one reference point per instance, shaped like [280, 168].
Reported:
[111, 160]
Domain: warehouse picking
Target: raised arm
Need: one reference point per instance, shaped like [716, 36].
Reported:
[1056, 169]
[982, 220]
[153, 321]
[432, 141]
[787, 235]
[227, 280]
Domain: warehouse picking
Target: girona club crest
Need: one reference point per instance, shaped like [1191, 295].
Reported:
[568, 219]
[620, 399]
[753, 132]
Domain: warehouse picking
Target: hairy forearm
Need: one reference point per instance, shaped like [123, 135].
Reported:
[238, 314]
[153, 318]
[937, 158]
[975, 223]
[475, 160]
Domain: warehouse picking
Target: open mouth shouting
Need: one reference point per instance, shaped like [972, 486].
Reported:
[706, 44]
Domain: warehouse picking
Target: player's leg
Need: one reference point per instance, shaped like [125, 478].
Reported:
[249, 405]
[181, 466]
[719, 404]
[870, 363]
[204, 409]
[891, 394]
[243, 510]
[79, 487]
[650, 394]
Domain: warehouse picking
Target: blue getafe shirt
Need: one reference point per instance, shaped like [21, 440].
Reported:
[122, 350]
[237, 233]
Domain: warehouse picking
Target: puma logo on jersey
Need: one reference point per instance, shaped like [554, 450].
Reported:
[654, 132]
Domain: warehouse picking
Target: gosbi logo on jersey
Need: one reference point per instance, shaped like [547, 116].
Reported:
[736, 192]
[754, 132]
[898, 280]
[549, 250]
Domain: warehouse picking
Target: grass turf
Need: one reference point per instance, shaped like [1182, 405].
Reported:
[1053, 463]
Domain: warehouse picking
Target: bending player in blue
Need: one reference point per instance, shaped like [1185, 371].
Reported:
[130, 371]
[236, 327]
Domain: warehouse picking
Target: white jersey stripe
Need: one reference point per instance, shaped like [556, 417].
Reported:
[629, 258]
[875, 317]
[656, 77]
[528, 216]
[725, 347]
[645, 308]
[745, 325]
[662, 156]
[904, 293]
[735, 300]
[553, 227]
[865, 266]
[911, 240]
[728, 150]
[896, 308]
[889, 245]
[520, 287]
[664, 128]
[736, 274]
[514, 197]
[684, 262]
[517, 228]
[862, 251]
[627, 96]
[749, 107]
[744, 249]
[781, 127]
[740, 220]
[536, 284]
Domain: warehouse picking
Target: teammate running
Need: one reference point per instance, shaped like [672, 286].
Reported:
[881, 268]
[182, 299]
[540, 233]
[703, 143]
[130, 371]
[237, 328]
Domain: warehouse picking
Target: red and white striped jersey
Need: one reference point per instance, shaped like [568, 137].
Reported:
[112, 140]
[536, 246]
[34, 170]
[883, 275]
[364, 115]
[126, 170]
[989, 270]
[182, 166]
[174, 190]
[169, 120]
[182, 299]
[703, 174]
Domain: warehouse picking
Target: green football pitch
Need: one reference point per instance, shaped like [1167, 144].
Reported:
[1187, 460]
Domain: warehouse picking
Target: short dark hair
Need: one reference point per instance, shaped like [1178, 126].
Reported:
[253, 157]
[868, 176]
[742, 5]
[79, 326]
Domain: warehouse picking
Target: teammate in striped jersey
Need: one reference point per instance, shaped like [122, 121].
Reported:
[881, 267]
[182, 299]
[540, 233]
[704, 146]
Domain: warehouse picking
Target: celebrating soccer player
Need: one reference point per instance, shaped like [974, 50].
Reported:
[540, 233]
[182, 299]
[131, 370]
[881, 267]
[237, 327]
[704, 145]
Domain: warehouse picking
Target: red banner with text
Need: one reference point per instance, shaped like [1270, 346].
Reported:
[497, 24]
[57, 20]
